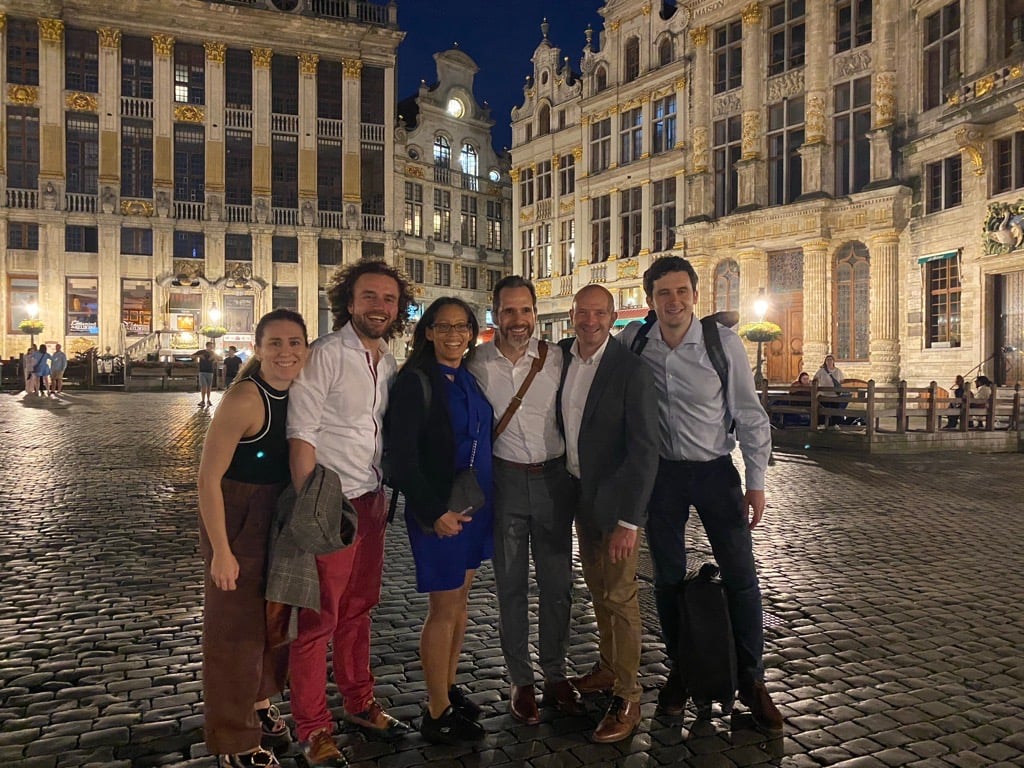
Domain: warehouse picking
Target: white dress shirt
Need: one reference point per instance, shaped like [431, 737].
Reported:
[337, 405]
[578, 381]
[532, 437]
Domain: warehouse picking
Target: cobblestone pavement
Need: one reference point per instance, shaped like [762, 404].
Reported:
[892, 592]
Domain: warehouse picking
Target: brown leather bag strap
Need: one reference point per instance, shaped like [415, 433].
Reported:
[517, 399]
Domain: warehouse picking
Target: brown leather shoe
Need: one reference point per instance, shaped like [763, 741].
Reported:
[597, 680]
[523, 704]
[672, 696]
[619, 721]
[376, 723]
[766, 716]
[563, 695]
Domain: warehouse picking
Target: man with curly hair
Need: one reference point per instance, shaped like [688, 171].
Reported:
[335, 418]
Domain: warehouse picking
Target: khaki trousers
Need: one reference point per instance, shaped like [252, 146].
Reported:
[614, 590]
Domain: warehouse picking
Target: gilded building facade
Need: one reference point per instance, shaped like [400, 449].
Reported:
[858, 163]
[170, 165]
[453, 198]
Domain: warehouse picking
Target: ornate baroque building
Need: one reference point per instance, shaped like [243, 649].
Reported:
[859, 163]
[165, 165]
[453, 199]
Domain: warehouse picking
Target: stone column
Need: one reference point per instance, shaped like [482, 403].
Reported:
[215, 157]
[307, 141]
[263, 266]
[753, 280]
[216, 260]
[163, 264]
[885, 294]
[814, 153]
[52, 269]
[3, 155]
[884, 97]
[51, 109]
[109, 284]
[817, 301]
[750, 169]
[309, 288]
[109, 107]
[699, 204]
[615, 244]
[163, 123]
[701, 263]
[645, 118]
[261, 160]
[584, 234]
[351, 164]
[976, 28]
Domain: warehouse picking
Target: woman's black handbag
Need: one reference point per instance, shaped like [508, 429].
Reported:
[467, 496]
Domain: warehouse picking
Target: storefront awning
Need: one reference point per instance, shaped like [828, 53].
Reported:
[938, 256]
[627, 316]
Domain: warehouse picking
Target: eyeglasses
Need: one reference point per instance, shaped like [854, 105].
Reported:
[444, 328]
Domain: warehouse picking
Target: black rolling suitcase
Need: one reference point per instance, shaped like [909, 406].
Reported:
[707, 650]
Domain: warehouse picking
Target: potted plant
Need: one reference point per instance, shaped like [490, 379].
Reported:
[213, 331]
[761, 331]
[31, 326]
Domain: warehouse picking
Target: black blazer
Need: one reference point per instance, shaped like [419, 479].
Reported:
[618, 441]
[420, 443]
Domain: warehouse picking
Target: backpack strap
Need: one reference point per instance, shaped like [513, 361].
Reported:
[716, 353]
[640, 340]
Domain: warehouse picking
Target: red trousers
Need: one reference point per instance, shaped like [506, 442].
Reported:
[239, 668]
[349, 590]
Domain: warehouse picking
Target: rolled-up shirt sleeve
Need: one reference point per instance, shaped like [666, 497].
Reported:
[753, 428]
[308, 394]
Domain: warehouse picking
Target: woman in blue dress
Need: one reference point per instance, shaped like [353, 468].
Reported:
[438, 425]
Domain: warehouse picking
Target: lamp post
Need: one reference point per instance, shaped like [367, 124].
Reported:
[760, 309]
[33, 313]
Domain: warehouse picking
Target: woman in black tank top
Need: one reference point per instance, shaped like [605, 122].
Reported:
[243, 470]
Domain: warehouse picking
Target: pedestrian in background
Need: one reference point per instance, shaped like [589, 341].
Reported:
[28, 368]
[244, 468]
[58, 364]
[207, 359]
[43, 371]
[438, 427]
[232, 362]
[336, 419]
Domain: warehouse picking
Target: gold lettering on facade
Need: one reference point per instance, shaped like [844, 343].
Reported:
[109, 37]
[81, 102]
[261, 57]
[163, 45]
[25, 95]
[51, 30]
[308, 63]
[215, 52]
[353, 68]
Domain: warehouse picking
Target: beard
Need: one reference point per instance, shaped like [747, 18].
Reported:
[370, 330]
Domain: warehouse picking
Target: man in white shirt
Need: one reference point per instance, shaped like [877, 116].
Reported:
[532, 501]
[608, 408]
[335, 417]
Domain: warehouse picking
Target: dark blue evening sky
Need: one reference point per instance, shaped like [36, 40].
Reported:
[499, 35]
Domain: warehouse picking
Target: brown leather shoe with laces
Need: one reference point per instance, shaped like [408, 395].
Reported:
[563, 695]
[321, 750]
[619, 721]
[766, 716]
[597, 680]
[377, 723]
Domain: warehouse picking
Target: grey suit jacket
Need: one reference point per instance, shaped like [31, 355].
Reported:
[618, 442]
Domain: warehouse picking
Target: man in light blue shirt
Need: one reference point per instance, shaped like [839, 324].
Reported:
[696, 419]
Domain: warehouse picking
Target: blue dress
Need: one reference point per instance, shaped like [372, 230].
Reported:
[441, 563]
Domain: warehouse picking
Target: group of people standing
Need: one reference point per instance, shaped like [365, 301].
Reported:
[499, 450]
[44, 371]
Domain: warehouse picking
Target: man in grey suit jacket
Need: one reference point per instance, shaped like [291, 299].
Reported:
[608, 410]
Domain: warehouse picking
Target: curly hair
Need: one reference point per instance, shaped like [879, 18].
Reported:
[341, 293]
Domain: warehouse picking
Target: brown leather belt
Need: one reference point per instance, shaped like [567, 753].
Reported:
[535, 469]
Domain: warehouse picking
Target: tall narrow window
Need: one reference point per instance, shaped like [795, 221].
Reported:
[630, 221]
[83, 153]
[189, 73]
[414, 209]
[600, 79]
[663, 124]
[728, 56]
[664, 198]
[328, 174]
[442, 273]
[942, 278]
[852, 281]
[529, 262]
[189, 163]
[238, 79]
[284, 85]
[567, 245]
[544, 180]
[943, 184]
[631, 60]
[851, 124]
[470, 162]
[442, 215]
[238, 167]
[631, 137]
[941, 53]
[544, 120]
[414, 269]
[600, 228]
[1009, 163]
[727, 286]
[442, 152]
[284, 176]
[22, 291]
[468, 221]
[544, 250]
[600, 145]
[469, 275]
[494, 225]
[81, 61]
[22, 148]
[137, 67]
[567, 174]
[22, 52]
[726, 152]
[137, 158]
[665, 52]
[786, 36]
[853, 24]
[785, 135]
[329, 77]
[526, 190]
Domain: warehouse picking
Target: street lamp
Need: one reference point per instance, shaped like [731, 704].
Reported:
[760, 309]
[33, 314]
[215, 315]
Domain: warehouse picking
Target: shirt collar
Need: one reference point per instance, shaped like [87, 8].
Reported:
[595, 358]
[533, 350]
[351, 339]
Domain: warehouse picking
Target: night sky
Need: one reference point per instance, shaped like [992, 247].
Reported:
[499, 35]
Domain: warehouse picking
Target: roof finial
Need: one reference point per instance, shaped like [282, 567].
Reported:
[589, 33]
[544, 27]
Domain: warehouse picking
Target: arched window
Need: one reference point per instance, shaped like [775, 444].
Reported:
[543, 120]
[727, 286]
[631, 57]
[442, 152]
[665, 52]
[851, 302]
[470, 162]
[600, 79]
